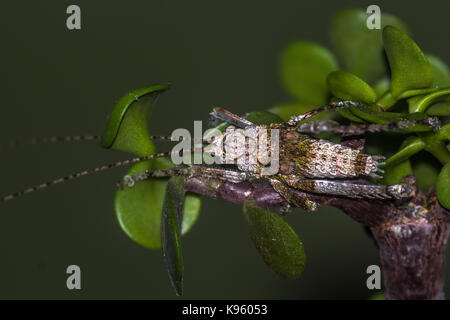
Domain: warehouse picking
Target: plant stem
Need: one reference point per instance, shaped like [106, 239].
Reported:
[436, 147]
[412, 253]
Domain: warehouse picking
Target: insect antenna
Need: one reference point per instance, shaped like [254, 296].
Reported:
[91, 171]
[82, 173]
[49, 140]
[61, 139]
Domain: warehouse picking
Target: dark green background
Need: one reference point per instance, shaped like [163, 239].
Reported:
[56, 82]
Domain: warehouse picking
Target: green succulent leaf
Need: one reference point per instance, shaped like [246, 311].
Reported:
[426, 175]
[304, 69]
[410, 68]
[421, 103]
[395, 173]
[127, 126]
[346, 113]
[382, 86]
[138, 209]
[275, 240]
[287, 110]
[409, 147]
[416, 92]
[263, 117]
[440, 109]
[440, 71]
[443, 186]
[377, 296]
[359, 49]
[347, 86]
[374, 116]
[435, 146]
[172, 215]
[444, 133]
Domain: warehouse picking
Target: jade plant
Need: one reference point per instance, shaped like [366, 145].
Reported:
[393, 81]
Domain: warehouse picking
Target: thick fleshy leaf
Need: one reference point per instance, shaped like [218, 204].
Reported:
[443, 186]
[377, 296]
[304, 70]
[138, 209]
[409, 147]
[369, 114]
[435, 146]
[127, 126]
[416, 92]
[374, 116]
[440, 109]
[440, 71]
[287, 110]
[347, 86]
[346, 113]
[382, 86]
[410, 68]
[263, 117]
[421, 103]
[426, 175]
[444, 133]
[394, 174]
[275, 240]
[172, 215]
[360, 49]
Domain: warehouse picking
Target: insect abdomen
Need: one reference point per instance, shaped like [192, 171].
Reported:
[316, 158]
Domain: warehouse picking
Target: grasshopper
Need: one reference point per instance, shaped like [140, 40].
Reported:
[306, 163]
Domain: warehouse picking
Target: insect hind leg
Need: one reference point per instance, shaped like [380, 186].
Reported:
[352, 190]
[292, 197]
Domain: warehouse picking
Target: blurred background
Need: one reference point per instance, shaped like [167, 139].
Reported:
[216, 53]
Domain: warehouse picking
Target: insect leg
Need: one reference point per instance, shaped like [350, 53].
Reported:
[197, 171]
[350, 190]
[231, 118]
[315, 127]
[292, 197]
[294, 120]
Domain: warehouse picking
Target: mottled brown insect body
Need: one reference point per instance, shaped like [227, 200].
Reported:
[308, 157]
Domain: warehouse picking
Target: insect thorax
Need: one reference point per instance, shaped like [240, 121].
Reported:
[252, 149]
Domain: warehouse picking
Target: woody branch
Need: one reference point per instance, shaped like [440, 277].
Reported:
[411, 237]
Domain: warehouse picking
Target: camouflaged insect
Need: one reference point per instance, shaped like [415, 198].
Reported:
[286, 155]
[305, 163]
